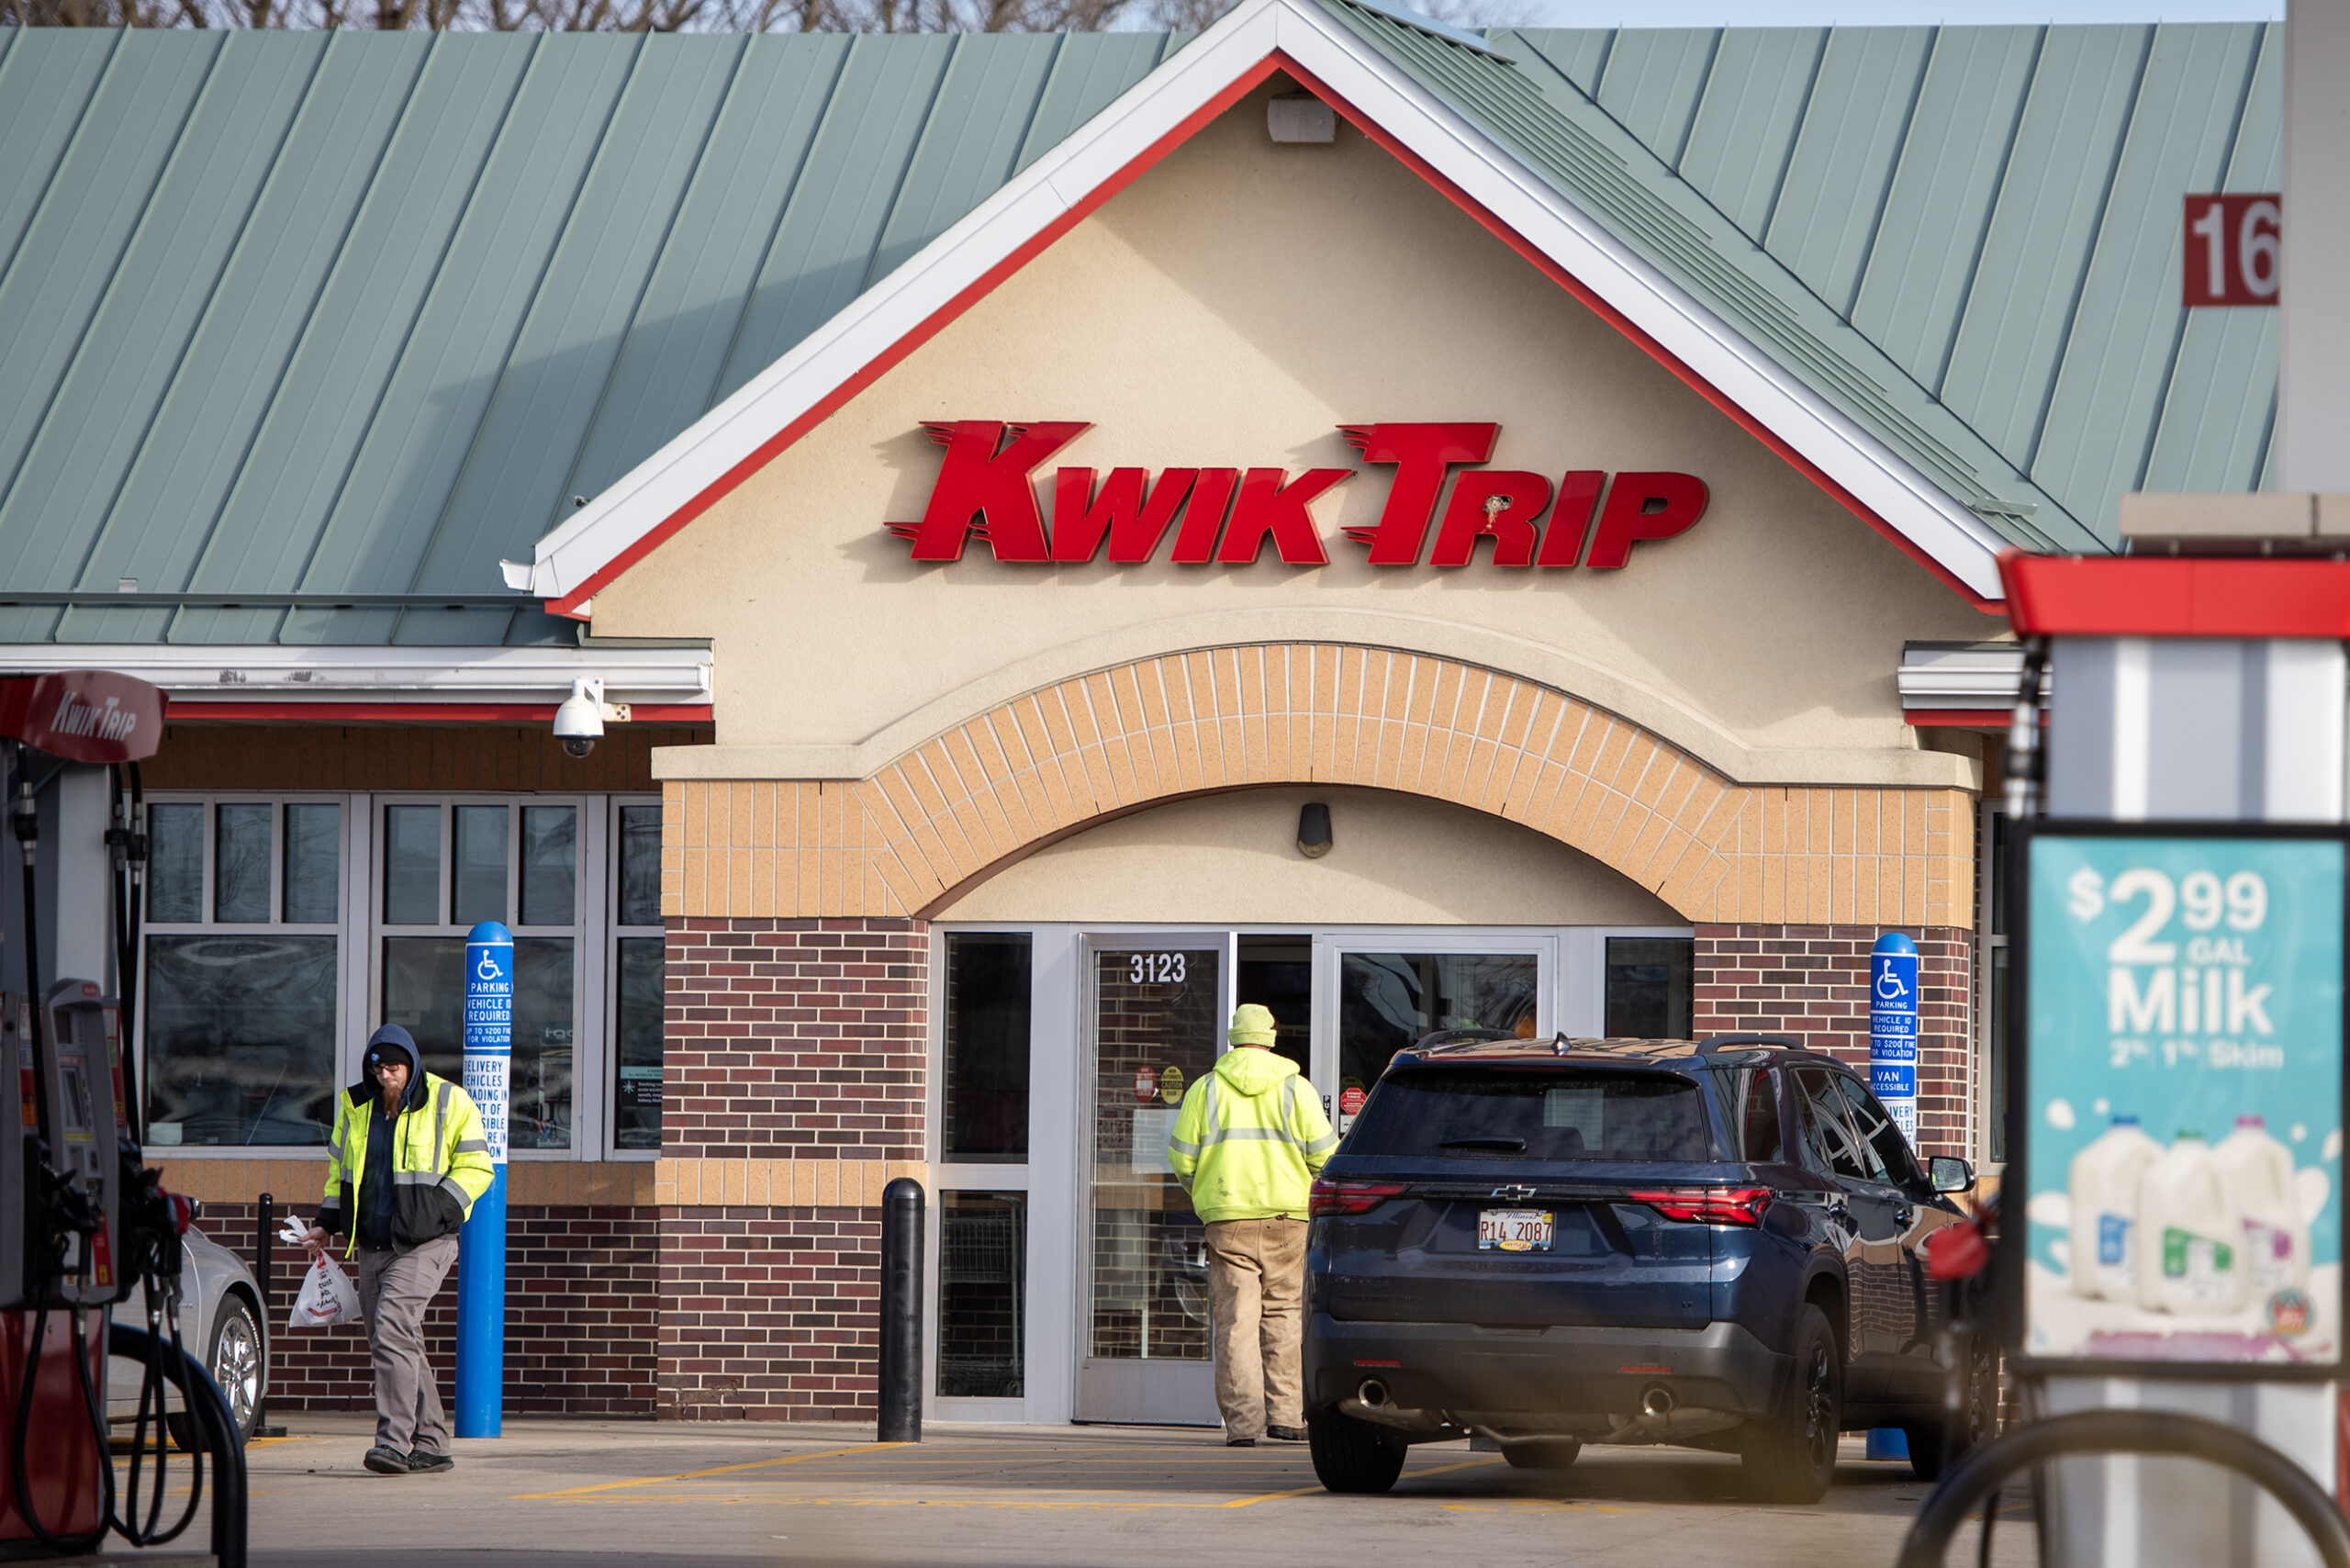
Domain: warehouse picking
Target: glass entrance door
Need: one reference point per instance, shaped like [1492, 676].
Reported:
[1380, 995]
[1155, 1014]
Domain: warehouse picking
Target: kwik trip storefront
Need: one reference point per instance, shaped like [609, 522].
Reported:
[1346, 525]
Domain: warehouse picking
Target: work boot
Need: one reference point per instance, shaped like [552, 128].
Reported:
[422, 1463]
[1240, 1442]
[1287, 1434]
[385, 1461]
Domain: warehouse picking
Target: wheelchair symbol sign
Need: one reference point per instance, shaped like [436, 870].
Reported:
[1888, 985]
[487, 969]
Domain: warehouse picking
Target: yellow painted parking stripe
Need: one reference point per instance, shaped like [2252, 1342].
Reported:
[697, 1475]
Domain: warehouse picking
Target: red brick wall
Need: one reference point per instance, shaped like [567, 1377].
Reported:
[1811, 982]
[769, 1314]
[795, 1040]
[788, 1039]
[581, 1306]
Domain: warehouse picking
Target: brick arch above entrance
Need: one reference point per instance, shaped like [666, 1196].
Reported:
[1063, 758]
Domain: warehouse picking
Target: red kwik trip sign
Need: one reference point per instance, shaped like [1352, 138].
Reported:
[82, 715]
[1226, 516]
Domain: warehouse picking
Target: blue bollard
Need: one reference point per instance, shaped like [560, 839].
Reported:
[481, 1244]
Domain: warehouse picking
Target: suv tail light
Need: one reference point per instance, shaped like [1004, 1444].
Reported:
[1343, 1197]
[1707, 1205]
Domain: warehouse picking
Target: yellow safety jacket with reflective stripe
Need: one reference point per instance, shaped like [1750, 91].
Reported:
[440, 1161]
[1250, 1137]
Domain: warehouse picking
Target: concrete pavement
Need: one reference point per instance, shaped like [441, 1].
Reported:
[667, 1495]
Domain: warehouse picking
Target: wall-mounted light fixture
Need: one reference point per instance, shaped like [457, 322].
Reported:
[1313, 830]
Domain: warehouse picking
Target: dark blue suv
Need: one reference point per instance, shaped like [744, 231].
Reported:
[1549, 1243]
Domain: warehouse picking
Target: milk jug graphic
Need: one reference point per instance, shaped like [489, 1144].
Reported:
[2105, 1177]
[2259, 1172]
[2191, 1252]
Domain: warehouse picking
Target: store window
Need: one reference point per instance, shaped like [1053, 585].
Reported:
[637, 967]
[983, 1281]
[448, 866]
[1389, 1001]
[985, 1081]
[1651, 987]
[242, 973]
[279, 931]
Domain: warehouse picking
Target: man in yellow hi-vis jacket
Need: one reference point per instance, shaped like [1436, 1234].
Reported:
[408, 1158]
[1246, 1145]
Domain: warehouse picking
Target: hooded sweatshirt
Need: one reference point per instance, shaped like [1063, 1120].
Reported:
[430, 1158]
[1249, 1139]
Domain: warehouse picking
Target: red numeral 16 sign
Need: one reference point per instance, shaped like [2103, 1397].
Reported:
[2231, 250]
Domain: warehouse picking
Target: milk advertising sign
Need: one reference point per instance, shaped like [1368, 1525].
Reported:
[2179, 1097]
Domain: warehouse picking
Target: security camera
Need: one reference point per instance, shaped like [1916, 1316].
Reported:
[579, 722]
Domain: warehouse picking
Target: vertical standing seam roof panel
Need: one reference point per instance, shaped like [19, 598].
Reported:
[968, 144]
[668, 370]
[2035, 260]
[2110, 383]
[833, 223]
[75, 242]
[159, 517]
[1746, 124]
[1922, 265]
[336, 380]
[464, 340]
[1088, 74]
[50, 513]
[2207, 439]
[548, 386]
[1652, 83]
[1836, 180]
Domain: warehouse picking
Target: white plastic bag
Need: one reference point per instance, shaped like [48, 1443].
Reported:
[327, 1296]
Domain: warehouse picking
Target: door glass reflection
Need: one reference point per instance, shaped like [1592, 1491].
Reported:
[1156, 1029]
[1389, 1001]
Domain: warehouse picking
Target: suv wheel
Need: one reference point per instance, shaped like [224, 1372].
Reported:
[1935, 1447]
[1553, 1453]
[1350, 1456]
[1793, 1458]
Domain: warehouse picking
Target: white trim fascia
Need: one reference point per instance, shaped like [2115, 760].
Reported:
[1879, 478]
[192, 674]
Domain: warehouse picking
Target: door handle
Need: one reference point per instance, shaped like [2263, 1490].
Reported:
[1904, 1215]
[1839, 1212]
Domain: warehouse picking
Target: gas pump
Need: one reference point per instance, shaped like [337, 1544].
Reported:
[82, 1219]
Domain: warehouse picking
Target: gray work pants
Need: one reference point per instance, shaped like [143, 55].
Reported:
[396, 1285]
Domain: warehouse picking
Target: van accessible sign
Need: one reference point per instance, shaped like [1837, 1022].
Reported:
[2180, 1096]
[987, 487]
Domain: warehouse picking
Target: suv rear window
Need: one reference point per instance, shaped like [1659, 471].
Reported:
[1570, 1113]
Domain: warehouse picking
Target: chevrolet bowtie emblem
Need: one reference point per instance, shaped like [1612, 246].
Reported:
[1514, 1193]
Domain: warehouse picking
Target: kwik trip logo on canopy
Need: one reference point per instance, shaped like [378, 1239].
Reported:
[1226, 516]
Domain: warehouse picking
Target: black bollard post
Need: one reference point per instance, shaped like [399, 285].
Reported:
[264, 1261]
[902, 1207]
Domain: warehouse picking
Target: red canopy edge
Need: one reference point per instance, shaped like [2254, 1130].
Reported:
[2168, 596]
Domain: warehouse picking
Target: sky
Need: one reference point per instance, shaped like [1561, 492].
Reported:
[1881, 13]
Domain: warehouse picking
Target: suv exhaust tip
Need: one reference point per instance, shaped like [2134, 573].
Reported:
[1374, 1393]
[1657, 1401]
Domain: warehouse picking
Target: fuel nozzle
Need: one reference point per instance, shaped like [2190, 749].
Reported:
[24, 817]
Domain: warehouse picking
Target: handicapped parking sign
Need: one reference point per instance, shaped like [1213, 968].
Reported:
[1893, 1029]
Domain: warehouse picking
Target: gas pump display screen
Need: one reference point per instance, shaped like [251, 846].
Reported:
[2178, 1097]
[74, 1100]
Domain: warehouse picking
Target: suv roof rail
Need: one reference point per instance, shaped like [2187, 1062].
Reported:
[1459, 1039]
[1712, 1043]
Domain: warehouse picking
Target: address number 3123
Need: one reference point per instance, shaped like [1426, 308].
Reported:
[1155, 969]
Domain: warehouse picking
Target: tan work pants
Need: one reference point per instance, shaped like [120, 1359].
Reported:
[395, 1287]
[1257, 1293]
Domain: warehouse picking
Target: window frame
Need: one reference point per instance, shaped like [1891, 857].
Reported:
[344, 1059]
[360, 930]
[608, 1074]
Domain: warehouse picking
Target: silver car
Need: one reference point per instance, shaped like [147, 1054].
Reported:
[222, 1326]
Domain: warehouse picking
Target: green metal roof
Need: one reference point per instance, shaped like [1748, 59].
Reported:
[290, 317]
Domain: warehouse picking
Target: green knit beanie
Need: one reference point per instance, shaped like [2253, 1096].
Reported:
[1252, 1025]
